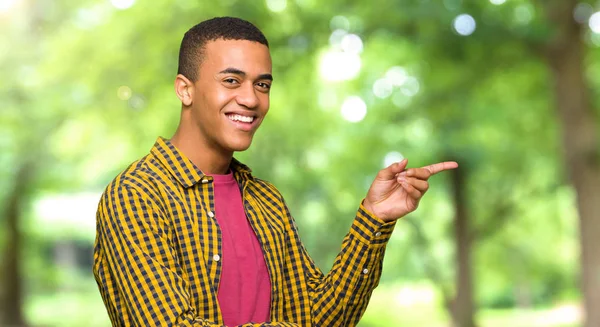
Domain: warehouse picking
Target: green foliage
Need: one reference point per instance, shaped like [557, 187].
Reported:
[87, 88]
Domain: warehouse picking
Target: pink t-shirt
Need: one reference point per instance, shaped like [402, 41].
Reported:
[245, 289]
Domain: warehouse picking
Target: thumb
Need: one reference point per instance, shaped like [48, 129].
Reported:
[393, 169]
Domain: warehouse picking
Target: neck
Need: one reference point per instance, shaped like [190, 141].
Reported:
[205, 156]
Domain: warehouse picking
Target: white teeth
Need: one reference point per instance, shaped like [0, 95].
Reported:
[241, 118]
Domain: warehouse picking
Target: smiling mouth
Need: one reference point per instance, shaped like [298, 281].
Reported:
[240, 118]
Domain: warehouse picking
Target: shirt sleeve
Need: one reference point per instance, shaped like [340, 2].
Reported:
[340, 298]
[133, 248]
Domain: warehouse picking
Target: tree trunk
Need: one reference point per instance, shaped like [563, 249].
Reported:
[462, 308]
[12, 277]
[565, 56]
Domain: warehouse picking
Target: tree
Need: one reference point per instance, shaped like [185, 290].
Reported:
[565, 53]
[100, 91]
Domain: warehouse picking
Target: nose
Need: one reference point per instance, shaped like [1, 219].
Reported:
[247, 96]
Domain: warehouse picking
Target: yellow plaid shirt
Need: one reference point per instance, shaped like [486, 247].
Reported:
[158, 246]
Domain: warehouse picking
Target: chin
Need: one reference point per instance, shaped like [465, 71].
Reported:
[240, 148]
[240, 145]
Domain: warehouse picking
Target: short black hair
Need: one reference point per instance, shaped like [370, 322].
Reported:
[224, 28]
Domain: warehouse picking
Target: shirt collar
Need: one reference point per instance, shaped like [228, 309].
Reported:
[182, 168]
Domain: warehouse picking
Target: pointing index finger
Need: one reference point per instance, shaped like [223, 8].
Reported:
[441, 166]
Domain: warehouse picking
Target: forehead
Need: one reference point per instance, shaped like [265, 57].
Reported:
[249, 56]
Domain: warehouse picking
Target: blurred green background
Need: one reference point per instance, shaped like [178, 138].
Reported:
[508, 88]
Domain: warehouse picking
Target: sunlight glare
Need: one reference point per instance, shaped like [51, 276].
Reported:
[594, 22]
[354, 109]
[122, 4]
[339, 66]
[5, 5]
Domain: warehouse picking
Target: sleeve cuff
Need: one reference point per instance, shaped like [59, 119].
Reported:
[369, 229]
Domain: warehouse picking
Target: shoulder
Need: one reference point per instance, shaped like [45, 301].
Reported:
[142, 181]
[136, 177]
[266, 189]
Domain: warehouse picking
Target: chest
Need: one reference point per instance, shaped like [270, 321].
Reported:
[198, 239]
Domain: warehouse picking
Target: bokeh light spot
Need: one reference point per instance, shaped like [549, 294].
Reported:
[336, 37]
[314, 213]
[124, 92]
[137, 102]
[339, 66]
[497, 2]
[88, 18]
[594, 22]
[411, 87]
[354, 109]
[339, 23]
[397, 75]
[593, 40]
[382, 88]
[307, 4]
[276, 5]
[316, 159]
[400, 100]
[298, 43]
[582, 12]
[464, 24]
[524, 14]
[392, 157]
[452, 4]
[122, 4]
[352, 43]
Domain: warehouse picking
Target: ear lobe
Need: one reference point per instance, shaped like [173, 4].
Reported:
[184, 90]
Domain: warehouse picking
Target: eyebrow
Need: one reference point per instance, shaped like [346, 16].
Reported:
[236, 71]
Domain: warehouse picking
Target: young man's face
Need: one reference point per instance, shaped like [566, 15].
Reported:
[231, 93]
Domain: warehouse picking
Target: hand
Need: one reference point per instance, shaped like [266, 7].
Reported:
[396, 192]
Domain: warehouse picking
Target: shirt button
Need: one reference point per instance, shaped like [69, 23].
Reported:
[378, 234]
[211, 214]
[216, 257]
[365, 271]
[204, 181]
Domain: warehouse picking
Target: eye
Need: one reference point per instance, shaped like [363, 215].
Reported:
[230, 80]
[264, 86]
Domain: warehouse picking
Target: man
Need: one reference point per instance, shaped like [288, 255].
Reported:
[187, 236]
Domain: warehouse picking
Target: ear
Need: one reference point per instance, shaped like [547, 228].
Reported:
[184, 88]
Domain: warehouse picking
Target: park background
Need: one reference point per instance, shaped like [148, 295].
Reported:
[508, 88]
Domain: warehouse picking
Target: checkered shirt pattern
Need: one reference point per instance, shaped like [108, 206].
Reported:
[156, 255]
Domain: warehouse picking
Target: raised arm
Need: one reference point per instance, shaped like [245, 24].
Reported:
[340, 297]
